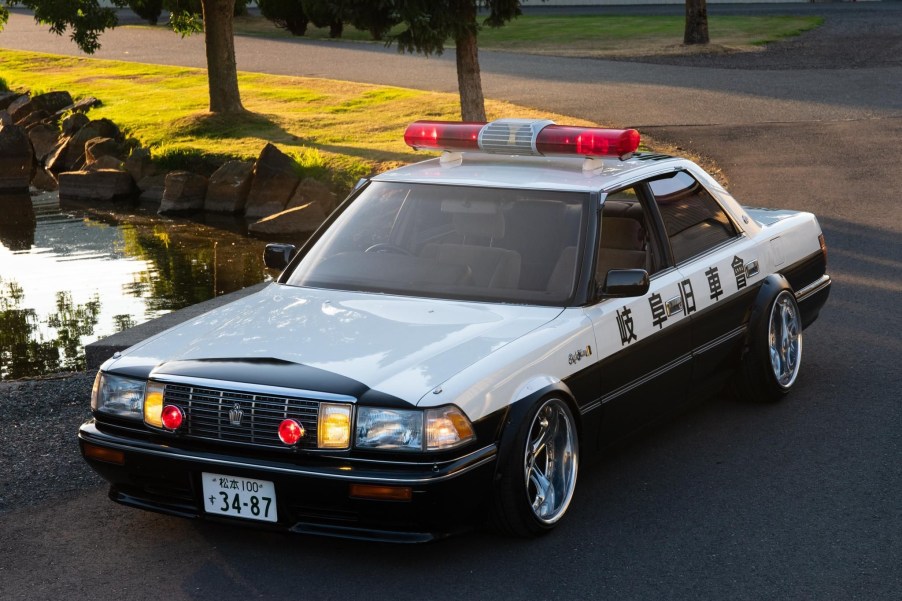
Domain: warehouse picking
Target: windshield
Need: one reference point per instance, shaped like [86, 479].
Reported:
[456, 242]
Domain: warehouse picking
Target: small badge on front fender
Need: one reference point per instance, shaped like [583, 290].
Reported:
[578, 355]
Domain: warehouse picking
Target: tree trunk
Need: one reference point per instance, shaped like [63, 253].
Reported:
[696, 22]
[469, 81]
[222, 71]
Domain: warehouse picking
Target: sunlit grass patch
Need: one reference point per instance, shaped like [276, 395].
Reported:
[337, 131]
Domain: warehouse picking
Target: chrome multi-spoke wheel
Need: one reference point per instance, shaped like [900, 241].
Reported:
[771, 360]
[784, 339]
[536, 470]
[550, 461]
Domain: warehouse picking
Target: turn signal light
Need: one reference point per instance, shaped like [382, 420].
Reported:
[334, 426]
[381, 493]
[290, 432]
[153, 404]
[172, 417]
[103, 454]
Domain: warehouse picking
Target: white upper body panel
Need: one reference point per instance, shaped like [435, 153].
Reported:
[401, 346]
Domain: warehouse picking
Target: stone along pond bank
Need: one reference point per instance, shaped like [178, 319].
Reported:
[49, 142]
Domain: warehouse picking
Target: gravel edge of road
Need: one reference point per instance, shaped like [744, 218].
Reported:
[40, 459]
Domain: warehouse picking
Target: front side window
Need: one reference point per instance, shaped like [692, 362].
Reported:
[693, 219]
[456, 242]
[625, 241]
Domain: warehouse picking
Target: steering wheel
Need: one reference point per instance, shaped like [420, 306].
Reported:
[387, 247]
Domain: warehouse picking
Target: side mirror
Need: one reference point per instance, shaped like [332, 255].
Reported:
[623, 283]
[278, 256]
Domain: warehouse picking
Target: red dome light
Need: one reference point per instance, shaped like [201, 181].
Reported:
[172, 417]
[290, 432]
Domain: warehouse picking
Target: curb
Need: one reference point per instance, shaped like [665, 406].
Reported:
[101, 350]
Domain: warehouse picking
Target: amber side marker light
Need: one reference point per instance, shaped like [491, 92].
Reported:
[381, 493]
[103, 454]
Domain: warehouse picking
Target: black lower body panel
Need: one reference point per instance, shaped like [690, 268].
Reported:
[313, 500]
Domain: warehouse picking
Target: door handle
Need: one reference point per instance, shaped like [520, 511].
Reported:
[674, 305]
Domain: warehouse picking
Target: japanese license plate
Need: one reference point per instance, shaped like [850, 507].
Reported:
[239, 497]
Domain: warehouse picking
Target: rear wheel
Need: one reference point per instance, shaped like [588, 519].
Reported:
[771, 366]
[538, 476]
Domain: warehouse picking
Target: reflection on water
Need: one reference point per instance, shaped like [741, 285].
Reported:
[72, 275]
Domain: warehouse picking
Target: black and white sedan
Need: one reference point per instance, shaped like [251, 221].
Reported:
[457, 336]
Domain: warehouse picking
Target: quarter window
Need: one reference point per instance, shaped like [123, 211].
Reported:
[693, 219]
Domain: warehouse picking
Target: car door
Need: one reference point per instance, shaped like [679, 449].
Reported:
[645, 361]
[719, 269]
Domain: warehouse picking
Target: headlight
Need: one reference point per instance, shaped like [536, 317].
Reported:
[394, 429]
[115, 395]
[412, 430]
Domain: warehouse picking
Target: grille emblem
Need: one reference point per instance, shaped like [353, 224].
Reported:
[235, 415]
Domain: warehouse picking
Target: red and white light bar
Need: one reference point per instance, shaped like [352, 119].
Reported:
[522, 136]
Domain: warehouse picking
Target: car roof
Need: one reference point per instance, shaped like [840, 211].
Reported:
[528, 172]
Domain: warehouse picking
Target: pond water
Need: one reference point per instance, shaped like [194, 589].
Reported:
[72, 274]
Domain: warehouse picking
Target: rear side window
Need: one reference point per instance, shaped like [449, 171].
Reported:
[694, 221]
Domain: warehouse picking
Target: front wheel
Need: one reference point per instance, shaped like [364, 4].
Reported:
[538, 477]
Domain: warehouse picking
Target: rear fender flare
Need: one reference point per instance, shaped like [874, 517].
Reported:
[772, 285]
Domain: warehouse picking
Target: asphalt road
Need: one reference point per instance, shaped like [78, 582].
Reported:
[799, 500]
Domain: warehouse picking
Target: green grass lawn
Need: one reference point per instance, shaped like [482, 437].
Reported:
[337, 131]
[597, 35]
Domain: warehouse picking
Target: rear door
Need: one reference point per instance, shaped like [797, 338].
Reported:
[719, 271]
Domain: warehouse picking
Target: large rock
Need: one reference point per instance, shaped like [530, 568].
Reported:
[152, 187]
[44, 138]
[7, 98]
[139, 164]
[82, 106]
[33, 118]
[274, 182]
[44, 180]
[51, 102]
[185, 191]
[102, 147]
[291, 222]
[71, 155]
[74, 122]
[229, 187]
[311, 190]
[105, 162]
[16, 158]
[104, 184]
[20, 107]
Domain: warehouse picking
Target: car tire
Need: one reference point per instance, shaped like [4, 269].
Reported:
[537, 478]
[771, 363]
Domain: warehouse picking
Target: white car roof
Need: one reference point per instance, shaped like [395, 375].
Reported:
[530, 172]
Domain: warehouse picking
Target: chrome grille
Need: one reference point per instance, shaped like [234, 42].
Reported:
[207, 415]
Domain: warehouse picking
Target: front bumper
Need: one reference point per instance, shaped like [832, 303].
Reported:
[313, 496]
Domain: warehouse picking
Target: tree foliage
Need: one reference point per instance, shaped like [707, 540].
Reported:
[427, 25]
[84, 19]
[287, 14]
[149, 10]
[326, 13]
[87, 19]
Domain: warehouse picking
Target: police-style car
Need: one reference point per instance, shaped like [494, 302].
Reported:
[458, 335]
